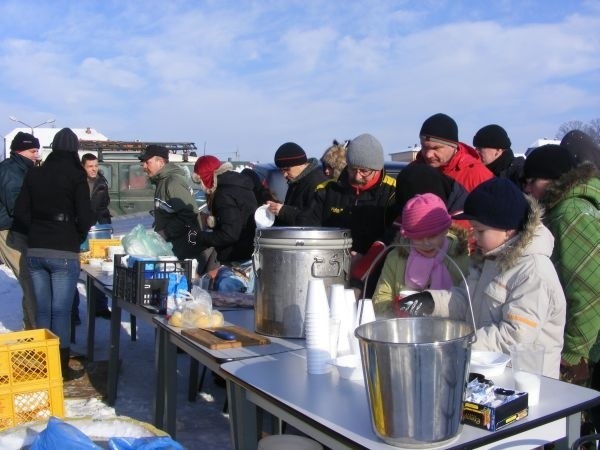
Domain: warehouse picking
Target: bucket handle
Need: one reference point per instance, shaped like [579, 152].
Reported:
[320, 260]
[385, 252]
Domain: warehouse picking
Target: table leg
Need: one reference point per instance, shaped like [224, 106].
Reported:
[113, 359]
[133, 322]
[573, 428]
[193, 380]
[170, 388]
[91, 291]
[159, 370]
[242, 418]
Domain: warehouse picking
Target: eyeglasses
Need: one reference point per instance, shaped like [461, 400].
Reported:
[361, 171]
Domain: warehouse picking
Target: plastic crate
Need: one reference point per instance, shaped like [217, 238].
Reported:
[147, 282]
[31, 386]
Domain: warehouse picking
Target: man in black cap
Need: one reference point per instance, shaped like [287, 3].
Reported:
[493, 145]
[24, 151]
[582, 147]
[175, 209]
[440, 148]
[303, 176]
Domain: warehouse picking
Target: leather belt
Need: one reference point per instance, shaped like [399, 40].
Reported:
[56, 217]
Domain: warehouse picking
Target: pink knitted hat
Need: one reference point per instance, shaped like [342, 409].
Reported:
[424, 215]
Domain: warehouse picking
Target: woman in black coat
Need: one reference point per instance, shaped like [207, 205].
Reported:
[53, 210]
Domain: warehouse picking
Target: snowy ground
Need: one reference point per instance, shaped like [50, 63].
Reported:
[200, 425]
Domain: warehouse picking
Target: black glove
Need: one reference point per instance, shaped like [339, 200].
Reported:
[415, 305]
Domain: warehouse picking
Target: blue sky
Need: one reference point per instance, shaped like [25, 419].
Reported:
[251, 75]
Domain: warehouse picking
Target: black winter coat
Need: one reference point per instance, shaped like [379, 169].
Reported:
[100, 200]
[508, 166]
[232, 204]
[367, 213]
[12, 174]
[56, 189]
[300, 193]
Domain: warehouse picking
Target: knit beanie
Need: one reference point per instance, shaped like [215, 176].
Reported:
[423, 216]
[24, 141]
[421, 179]
[492, 136]
[582, 147]
[205, 168]
[440, 126]
[365, 152]
[66, 141]
[548, 161]
[497, 203]
[290, 154]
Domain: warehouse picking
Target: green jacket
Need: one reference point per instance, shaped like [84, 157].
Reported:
[174, 207]
[573, 216]
[391, 280]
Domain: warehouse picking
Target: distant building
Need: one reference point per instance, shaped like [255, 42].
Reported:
[407, 155]
[46, 135]
[539, 142]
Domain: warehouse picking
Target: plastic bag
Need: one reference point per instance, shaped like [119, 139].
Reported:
[144, 443]
[145, 243]
[196, 313]
[178, 286]
[59, 434]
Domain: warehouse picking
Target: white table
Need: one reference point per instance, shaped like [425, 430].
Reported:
[335, 411]
[169, 338]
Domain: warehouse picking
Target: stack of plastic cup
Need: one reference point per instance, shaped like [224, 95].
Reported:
[316, 328]
[337, 305]
[350, 312]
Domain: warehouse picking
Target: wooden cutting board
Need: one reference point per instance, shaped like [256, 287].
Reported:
[244, 338]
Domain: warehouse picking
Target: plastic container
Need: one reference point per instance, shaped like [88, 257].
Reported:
[147, 282]
[31, 386]
[98, 247]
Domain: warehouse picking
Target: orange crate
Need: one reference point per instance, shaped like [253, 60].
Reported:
[30, 377]
[98, 246]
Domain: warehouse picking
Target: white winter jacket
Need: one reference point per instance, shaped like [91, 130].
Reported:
[516, 293]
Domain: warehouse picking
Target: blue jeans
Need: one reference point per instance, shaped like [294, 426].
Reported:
[54, 283]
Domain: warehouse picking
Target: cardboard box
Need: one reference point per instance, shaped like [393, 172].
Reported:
[492, 419]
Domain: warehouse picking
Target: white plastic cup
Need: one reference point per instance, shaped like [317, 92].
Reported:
[336, 301]
[527, 366]
[350, 311]
[316, 298]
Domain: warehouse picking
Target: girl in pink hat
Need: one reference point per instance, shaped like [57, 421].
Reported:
[421, 261]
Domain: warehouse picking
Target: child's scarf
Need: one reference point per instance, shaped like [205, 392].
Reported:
[427, 273]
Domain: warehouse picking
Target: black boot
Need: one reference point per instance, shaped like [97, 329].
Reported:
[68, 374]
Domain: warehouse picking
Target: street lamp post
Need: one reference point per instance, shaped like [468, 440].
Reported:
[14, 119]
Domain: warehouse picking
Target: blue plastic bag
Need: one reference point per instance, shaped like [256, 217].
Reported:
[144, 443]
[61, 435]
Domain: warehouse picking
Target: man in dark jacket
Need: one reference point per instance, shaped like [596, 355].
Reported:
[98, 189]
[303, 176]
[24, 151]
[99, 200]
[361, 200]
[493, 145]
[174, 206]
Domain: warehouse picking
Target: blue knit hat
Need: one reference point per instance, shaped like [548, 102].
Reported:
[497, 203]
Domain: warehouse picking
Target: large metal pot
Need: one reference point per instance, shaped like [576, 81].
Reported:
[285, 259]
[415, 371]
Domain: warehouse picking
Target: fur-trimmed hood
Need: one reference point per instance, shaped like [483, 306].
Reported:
[225, 167]
[535, 238]
[564, 187]
[335, 157]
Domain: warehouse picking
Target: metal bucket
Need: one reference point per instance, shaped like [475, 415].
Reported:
[285, 259]
[415, 374]
[98, 231]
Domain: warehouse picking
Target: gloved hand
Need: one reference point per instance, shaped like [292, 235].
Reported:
[415, 305]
